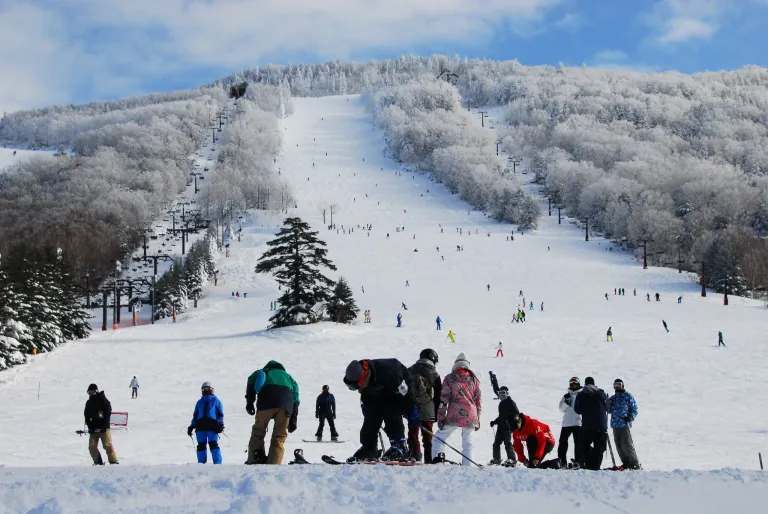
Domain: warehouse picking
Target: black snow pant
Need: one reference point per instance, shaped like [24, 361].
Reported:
[388, 413]
[134, 392]
[503, 435]
[562, 444]
[593, 443]
[625, 447]
[331, 425]
[533, 445]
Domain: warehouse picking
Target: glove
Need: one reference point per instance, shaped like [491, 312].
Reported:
[628, 419]
[535, 463]
[249, 409]
[292, 426]
[219, 429]
[493, 423]
[568, 400]
[189, 431]
[525, 463]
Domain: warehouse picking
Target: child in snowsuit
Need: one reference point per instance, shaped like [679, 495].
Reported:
[208, 423]
[537, 436]
[623, 409]
[507, 409]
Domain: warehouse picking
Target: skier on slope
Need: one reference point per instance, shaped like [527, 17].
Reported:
[571, 424]
[438, 321]
[325, 409]
[499, 350]
[452, 336]
[278, 400]
[460, 408]
[98, 411]
[399, 320]
[208, 423]
[507, 410]
[609, 334]
[134, 387]
[537, 437]
[488, 287]
[665, 325]
[623, 409]
[592, 404]
[531, 306]
[427, 386]
[720, 339]
[385, 397]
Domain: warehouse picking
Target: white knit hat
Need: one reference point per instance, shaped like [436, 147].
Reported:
[461, 362]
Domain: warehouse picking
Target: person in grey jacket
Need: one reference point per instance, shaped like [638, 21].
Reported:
[571, 424]
[134, 388]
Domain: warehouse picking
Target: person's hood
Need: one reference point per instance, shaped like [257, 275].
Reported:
[274, 365]
[426, 363]
[590, 389]
[461, 362]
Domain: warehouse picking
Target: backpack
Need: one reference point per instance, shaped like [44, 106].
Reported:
[423, 390]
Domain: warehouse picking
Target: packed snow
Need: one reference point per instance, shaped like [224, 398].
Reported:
[699, 405]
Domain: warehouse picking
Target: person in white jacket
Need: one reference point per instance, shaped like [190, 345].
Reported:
[571, 423]
[134, 388]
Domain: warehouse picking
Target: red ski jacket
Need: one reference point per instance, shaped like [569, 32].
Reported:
[532, 427]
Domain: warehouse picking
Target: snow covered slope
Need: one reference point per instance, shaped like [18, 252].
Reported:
[700, 406]
[10, 156]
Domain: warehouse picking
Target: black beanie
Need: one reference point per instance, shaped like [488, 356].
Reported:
[589, 381]
[92, 387]
[354, 373]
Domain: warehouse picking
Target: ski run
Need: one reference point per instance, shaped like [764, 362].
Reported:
[700, 422]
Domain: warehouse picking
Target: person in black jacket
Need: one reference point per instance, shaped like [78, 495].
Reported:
[427, 386]
[97, 413]
[325, 409]
[592, 404]
[507, 409]
[385, 397]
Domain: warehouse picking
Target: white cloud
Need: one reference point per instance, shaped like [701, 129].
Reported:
[571, 21]
[680, 21]
[618, 60]
[685, 29]
[610, 57]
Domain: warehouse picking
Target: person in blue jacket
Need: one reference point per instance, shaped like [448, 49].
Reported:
[623, 409]
[208, 423]
[438, 321]
[399, 320]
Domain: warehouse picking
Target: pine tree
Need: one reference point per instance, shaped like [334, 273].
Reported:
[294, 258]
[723, 268]
[342, 307]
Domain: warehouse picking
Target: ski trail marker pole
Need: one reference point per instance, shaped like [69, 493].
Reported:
[610, 448]
[451, 447]
[760, 458]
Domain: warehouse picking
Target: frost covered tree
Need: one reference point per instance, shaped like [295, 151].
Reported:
[342, 307]
[296, 257]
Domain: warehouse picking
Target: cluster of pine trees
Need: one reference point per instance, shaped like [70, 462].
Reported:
[185, 279]
[40, 305]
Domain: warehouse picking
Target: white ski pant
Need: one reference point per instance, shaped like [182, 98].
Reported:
[466, 442]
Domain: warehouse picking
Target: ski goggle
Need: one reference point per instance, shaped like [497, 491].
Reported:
[503, 394]
[574, 380]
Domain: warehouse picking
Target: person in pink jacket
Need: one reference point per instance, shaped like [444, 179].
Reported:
[459, 408]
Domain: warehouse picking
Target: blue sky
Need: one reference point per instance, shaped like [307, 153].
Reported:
[72, 51]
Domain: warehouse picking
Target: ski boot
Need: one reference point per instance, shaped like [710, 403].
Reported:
[397, 451]
[335, 438]
[574, 464]
[319, 438]
[494, 462]
[439, 458]
[259, 457]
[363, 454]
[509, 463]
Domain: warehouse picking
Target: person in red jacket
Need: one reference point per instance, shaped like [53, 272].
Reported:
[536, 435]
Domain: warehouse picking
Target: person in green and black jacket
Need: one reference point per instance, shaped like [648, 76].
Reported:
[278, 400]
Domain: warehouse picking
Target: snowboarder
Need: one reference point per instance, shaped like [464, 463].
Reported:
[207, 423]
[452, 336]
[592, 404]
[609, 334]
[325, 409]
[279, 401]
[427, 387]
[438, 322]
[665, 326]
[98, 412]
[507, 409]
[537, 436]
[720, 339]
[499, 350]
[134, 387]
[385, 397]
[399, 320]
[571, 424]
[460, 407]
[623, 409]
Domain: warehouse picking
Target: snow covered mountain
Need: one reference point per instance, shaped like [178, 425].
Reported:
[699, 405]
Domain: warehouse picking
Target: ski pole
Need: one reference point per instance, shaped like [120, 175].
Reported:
[760, 458]
[613, 460]
[451, 447]
[193, 442]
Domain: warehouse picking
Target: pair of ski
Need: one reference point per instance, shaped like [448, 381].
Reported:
[298, 458]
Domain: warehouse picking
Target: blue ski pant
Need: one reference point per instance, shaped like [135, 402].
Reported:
[212, 439]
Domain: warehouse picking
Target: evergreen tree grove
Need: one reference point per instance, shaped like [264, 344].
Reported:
[342, 307]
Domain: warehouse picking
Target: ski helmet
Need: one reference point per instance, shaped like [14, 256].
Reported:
[207, 386]
[93, 388]
[618, 384]
[503, 393]
[574, 383]
[429, 354]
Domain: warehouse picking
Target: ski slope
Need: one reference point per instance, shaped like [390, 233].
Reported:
[700, 406]
[9, 156]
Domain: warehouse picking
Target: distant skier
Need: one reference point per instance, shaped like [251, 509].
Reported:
[537, 436]
[507, 409]
[207, 423]
[609, 334]
[385, 397]
[571, 424]
[325, 409]
[403, 306]
[623, 409]
[522, 316]
[399, 320]
[648, 296]
[542, 306]
[438, 322]
[407, 284]
[134, 387]
[531, 306]
[634, 292]
[592, 404]
[521, 293]
[98, 412]
[606, 296]
[427, 387]
[665, 326]
[658, 297]
[452, 336]
[680, 299]
[499, 350]
[720, 339]
[488, 287]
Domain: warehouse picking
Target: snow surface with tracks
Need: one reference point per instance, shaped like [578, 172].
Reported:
[700, 406]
